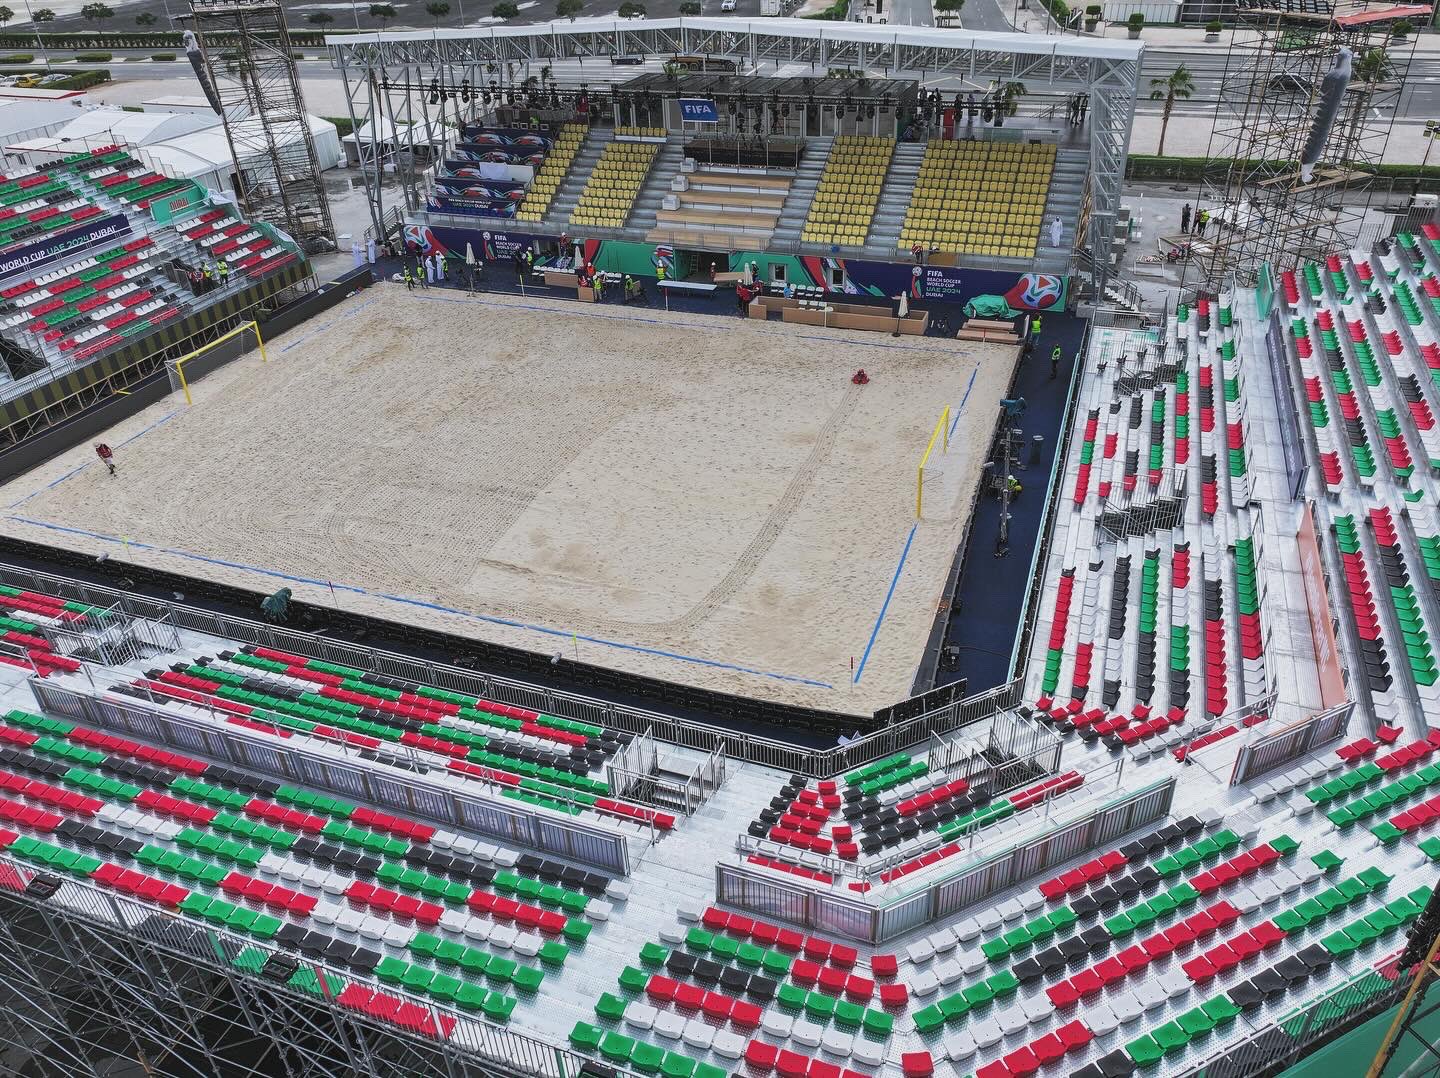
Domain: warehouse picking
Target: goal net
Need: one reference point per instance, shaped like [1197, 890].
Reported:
[195, 364]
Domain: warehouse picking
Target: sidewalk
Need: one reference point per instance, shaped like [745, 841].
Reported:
[1193, 37]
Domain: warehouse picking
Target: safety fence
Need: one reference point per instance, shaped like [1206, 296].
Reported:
[1275, 1047]
[704, 738]
[876, 921]
[76, 906]
[360, 778]
[112, 637]
[1273, 750]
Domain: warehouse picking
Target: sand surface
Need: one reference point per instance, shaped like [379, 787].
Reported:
[703, 499]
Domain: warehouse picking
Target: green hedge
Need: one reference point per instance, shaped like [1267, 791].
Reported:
[343, 124]
[1142, 166]
[18, 58]
[162, 57]
[93, 57]
[1058, 10]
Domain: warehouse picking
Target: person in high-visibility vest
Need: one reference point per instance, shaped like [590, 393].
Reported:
[409, 281]
[224, 269]
[209, 277]
[1054, 363]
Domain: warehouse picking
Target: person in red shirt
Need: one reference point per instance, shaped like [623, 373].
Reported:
[107, 456]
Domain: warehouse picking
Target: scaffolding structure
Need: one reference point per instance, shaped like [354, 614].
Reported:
[1261, 212]
[95, 985]
[247, 51]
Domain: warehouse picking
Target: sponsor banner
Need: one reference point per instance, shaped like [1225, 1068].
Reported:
[699, 110]
[837, 276]
[52, 247]
[165, 209]
[1322, 633]
[487, 155]
[463, 185]
[1296, 467]
[507, 136]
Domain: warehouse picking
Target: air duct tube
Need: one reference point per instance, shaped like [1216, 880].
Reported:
[197, 61]
[1332, 92]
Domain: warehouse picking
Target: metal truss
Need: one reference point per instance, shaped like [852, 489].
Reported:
[277, 173]
[1268, 99]
[82, 998]
[399, 84]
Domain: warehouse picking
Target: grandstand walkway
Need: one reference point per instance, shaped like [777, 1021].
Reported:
[989, 602]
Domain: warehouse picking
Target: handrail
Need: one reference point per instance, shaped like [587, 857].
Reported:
[686, 733]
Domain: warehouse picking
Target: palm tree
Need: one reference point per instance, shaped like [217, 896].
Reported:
[1178, 86]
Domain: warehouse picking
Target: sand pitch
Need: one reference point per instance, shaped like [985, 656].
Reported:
[703, 499]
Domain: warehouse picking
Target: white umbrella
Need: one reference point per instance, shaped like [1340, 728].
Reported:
[904, 299]
[469, 255]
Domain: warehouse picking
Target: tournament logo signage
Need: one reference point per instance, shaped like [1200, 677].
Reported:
[20, 258]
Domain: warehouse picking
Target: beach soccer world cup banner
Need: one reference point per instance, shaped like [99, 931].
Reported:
[699, 110]
[1024, 292]
[52, 247]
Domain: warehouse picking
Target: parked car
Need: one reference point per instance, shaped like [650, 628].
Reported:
[1286, 83]
[727, 5]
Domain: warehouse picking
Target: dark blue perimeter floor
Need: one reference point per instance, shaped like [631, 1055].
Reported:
[990, 599]
[991, 595]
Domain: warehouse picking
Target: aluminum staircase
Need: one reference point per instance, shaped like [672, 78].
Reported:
[1067, 184]
[656, 186]
[802, 192]
[884, 238]
[557, 216]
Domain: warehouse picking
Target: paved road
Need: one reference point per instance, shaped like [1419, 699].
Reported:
[1420, 98]
[993, 15]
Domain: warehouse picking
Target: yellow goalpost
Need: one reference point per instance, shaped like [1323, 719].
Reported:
[941, 431]
[176, 367]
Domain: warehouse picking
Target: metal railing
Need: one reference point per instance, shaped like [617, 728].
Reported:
[1027, 621]
[1273, 1048]
[702, 737]
[1272, 750]
[342, 770]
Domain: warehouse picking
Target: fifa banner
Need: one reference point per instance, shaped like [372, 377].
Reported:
[52, 247]
[699, 110]
[504, 137]
[1322, 632]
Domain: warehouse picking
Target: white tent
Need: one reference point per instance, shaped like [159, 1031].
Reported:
[95, 128]
[22, 120]
[204, 155]
[385, 135]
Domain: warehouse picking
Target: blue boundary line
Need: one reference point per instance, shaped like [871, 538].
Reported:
[885, 606]
[690, 325]
[326, 325]
[968, 387]
[80, 468]
[561, 634]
